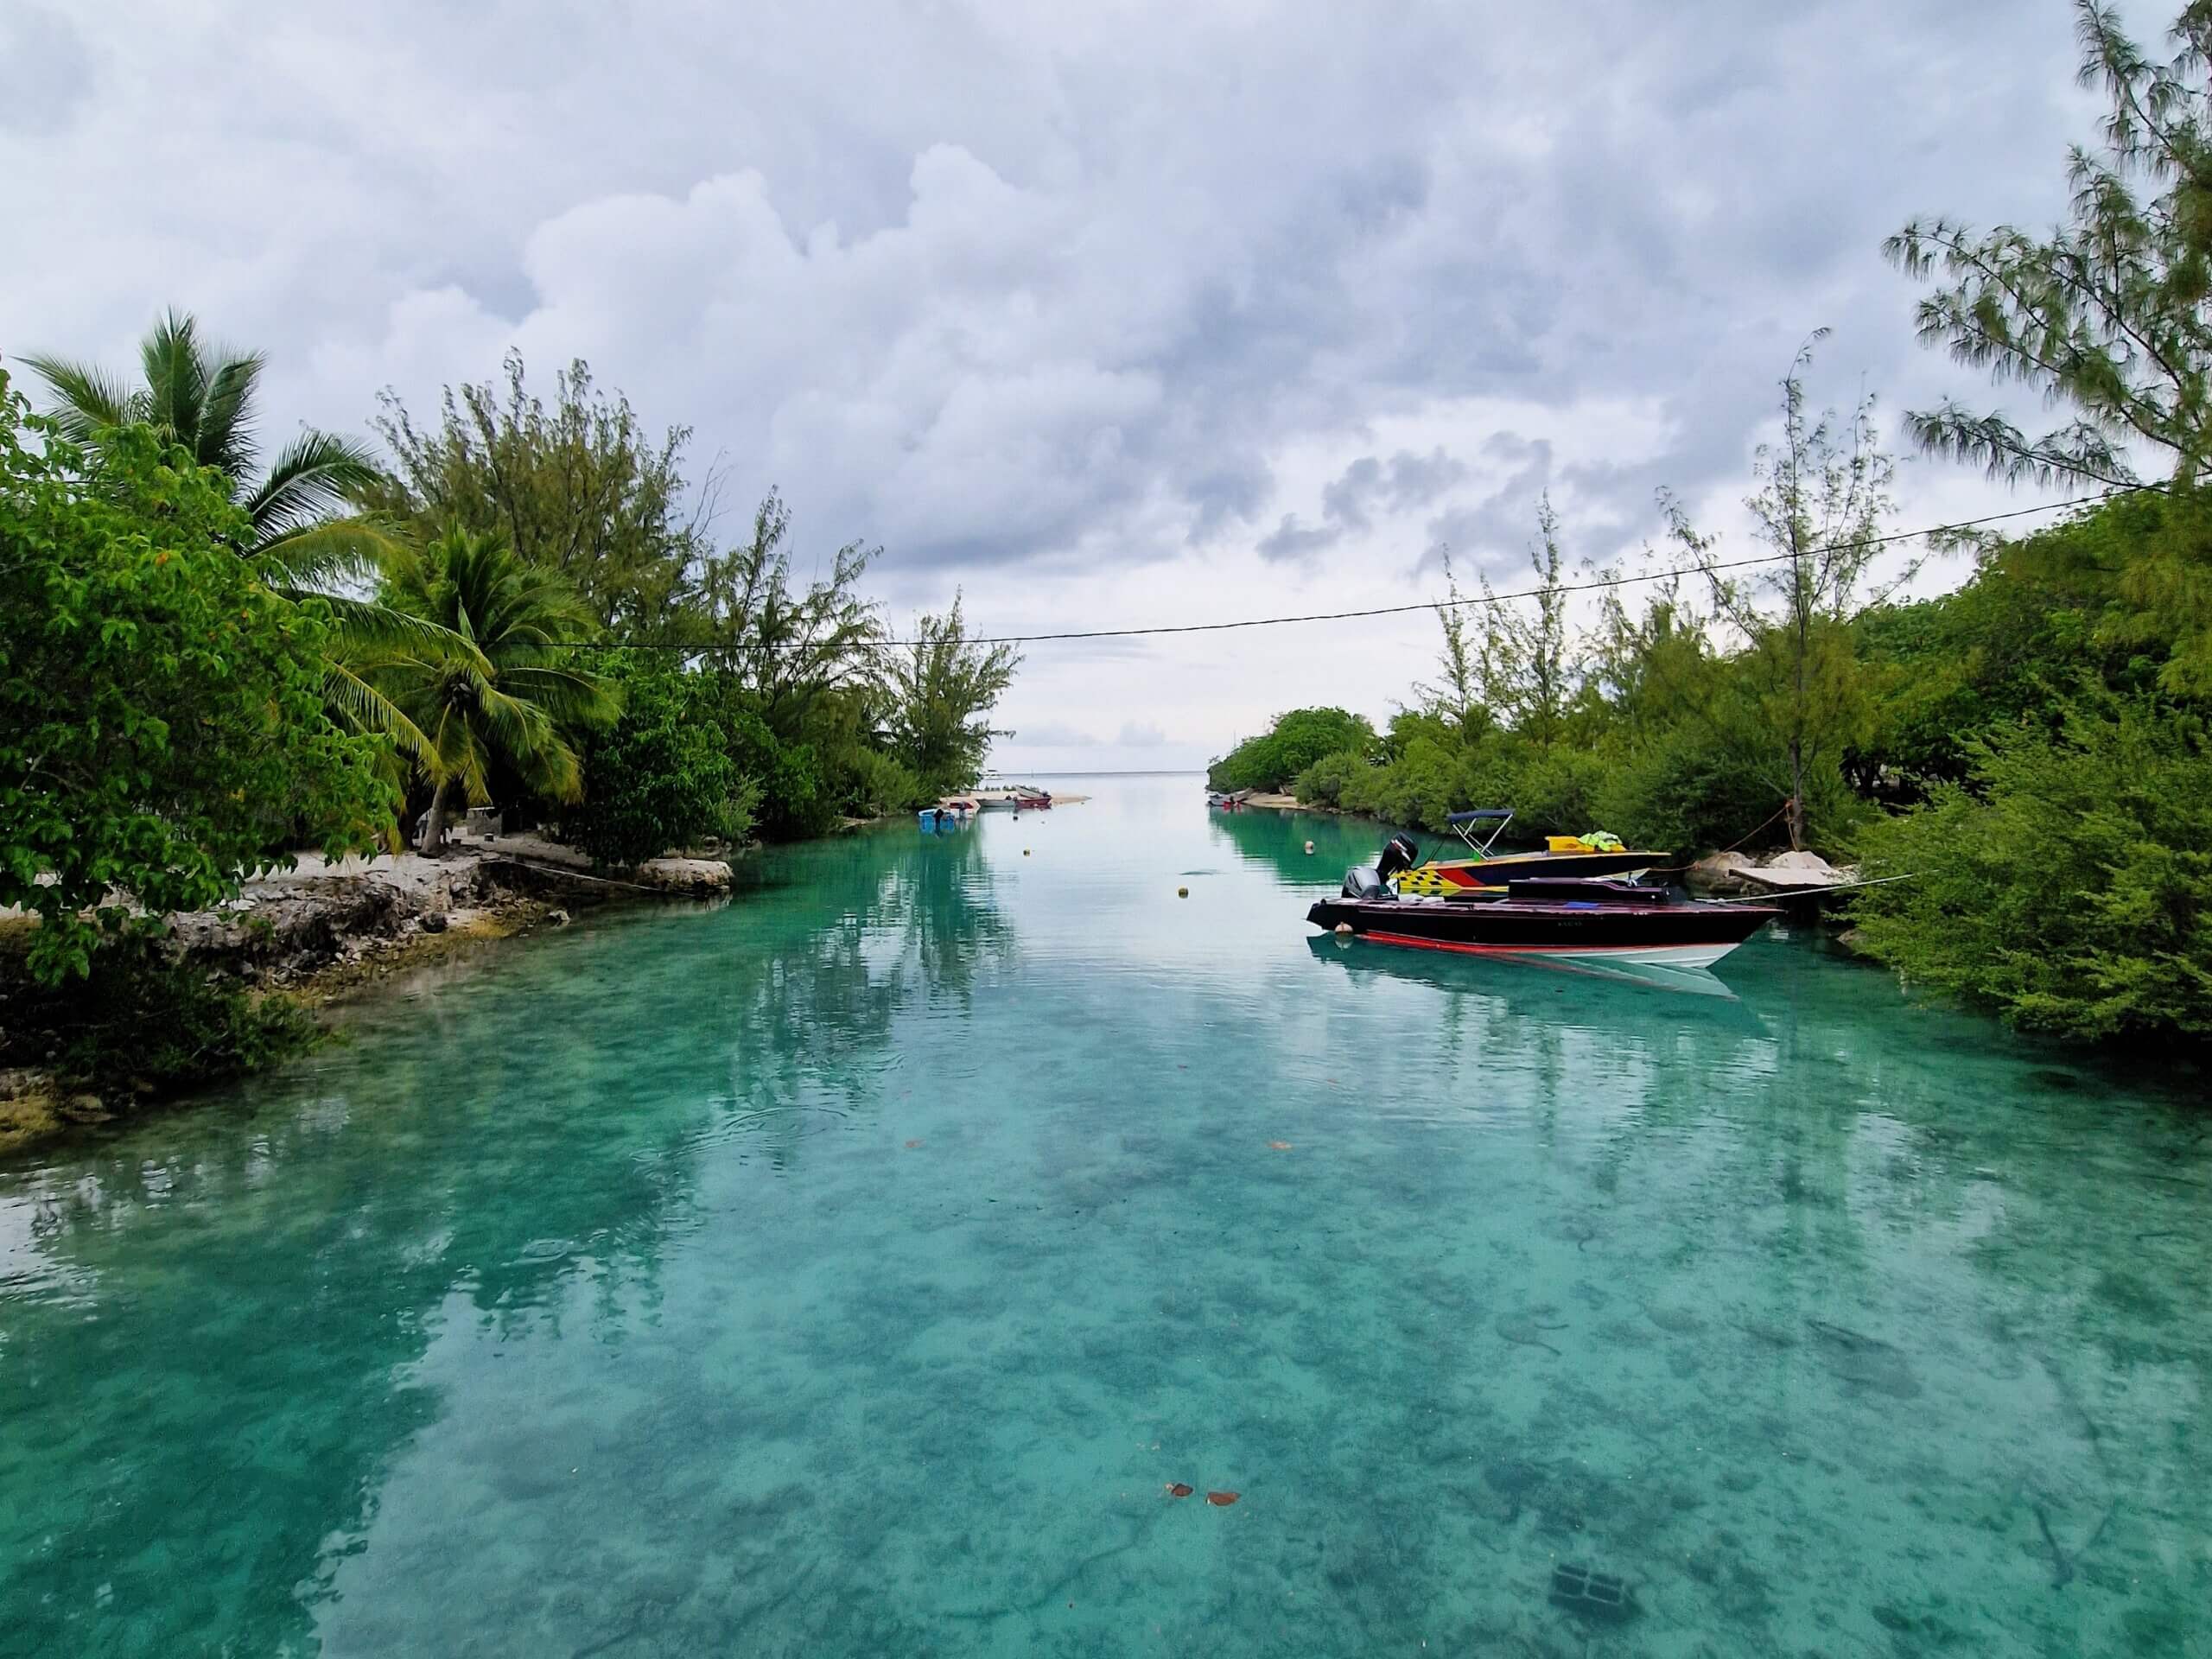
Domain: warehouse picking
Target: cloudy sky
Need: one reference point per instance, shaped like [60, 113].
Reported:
[1107, 315]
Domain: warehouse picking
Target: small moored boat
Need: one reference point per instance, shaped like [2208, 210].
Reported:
[1568, 855]
[1569, 919]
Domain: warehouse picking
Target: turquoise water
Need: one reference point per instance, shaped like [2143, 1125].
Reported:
[849, 1270]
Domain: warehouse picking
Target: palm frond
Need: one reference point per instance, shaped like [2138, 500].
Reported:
[227, 415]
[176, 381]
[316, 475]
[526, 733]
[86, 398]
[360, 707]
[572, 694]
[372, 634]
[333, 554]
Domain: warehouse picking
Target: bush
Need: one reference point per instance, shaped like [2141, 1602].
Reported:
[1556, 792]
[138, 1022]
[1324, 783]
[661, 777]
[2073, 893]
[882, 783]
[1294, 742]
[1688, 790]
[163, 726]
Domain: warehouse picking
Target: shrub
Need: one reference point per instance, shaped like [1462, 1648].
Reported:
[882, 783]
[1294, 742]
[660, 778]
[139, 1021]
[2070, 888]
[1324, 783]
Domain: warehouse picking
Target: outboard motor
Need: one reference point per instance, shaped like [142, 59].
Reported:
[1361, 882]
[1399, 852]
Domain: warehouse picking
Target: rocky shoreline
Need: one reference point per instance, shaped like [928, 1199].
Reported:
[322, 932]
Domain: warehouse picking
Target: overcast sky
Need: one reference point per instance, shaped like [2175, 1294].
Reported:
[1110, 314]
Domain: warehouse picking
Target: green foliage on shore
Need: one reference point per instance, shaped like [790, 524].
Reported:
[519, 698]
[578, 489]
[1295, 741]
[663, 775]
[163, 728]
[2067, 882]
[818, 716]
[138, 1023]
[2065, 861]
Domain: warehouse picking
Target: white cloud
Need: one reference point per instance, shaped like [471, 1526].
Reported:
[1083, 308]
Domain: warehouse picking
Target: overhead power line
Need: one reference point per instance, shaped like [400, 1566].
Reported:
[1591, 586]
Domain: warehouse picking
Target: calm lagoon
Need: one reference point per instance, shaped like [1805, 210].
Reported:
[850, 1270]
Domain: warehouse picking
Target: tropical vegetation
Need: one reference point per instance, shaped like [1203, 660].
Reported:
[2028, 750]
[211, 662]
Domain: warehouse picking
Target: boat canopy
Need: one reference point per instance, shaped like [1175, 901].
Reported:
[1463, 826]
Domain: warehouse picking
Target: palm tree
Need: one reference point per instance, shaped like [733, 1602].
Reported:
[306, 533]
[513, 694]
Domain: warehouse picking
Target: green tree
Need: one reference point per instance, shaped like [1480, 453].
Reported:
[1505, 665]
[162, 733]
[200, 397]
[938, 692]
[304, 531]
[1292, 743]
[797, 668]
[2104, 317]
[788, 646]
[1823, 498]
[660, 776]
[578, 489]
[515, 696]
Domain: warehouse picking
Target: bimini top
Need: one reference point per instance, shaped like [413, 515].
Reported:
[1481, 814]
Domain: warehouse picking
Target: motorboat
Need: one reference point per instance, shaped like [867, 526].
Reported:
[1017, 798]
[1567, 918]
[1566, 856]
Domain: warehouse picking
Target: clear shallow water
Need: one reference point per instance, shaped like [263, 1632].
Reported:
[845, 1271]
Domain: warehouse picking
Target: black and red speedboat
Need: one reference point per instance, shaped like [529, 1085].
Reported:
[1567, 919]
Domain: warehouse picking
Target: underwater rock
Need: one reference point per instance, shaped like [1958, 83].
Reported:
[1862, 1361]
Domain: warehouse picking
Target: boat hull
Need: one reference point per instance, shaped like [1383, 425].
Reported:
[1446, 874]
[1671, 936]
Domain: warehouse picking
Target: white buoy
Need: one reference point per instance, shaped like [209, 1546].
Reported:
[1309, 849]
[1344, 930]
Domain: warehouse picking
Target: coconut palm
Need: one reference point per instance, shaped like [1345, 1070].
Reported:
[511, 694]
[307, 534]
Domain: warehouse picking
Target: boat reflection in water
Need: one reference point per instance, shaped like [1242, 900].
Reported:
[1523, 978]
